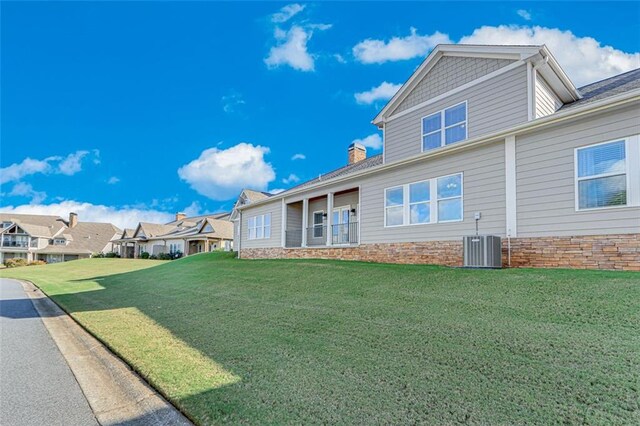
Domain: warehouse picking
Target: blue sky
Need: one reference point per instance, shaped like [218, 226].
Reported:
[133, 111]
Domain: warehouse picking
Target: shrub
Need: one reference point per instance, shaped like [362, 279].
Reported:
[165, 256]
[111, 255]
[176, 255]
[144, 255]
[153, 257]
[98, 255]
[15, 262]
[37, 263]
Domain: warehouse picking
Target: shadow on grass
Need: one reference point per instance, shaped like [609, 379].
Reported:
[350, 342]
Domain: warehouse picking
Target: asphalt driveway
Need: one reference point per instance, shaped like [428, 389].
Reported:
[36, 385]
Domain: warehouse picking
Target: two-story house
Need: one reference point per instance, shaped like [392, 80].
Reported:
[496, 137]
[53, 239]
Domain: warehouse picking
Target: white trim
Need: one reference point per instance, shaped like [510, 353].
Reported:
[518, 129]
[433, 202]
[530, 91]
[577, 179]
[633, 169]
[256, 227]
[510, 186]
[455, 90]
[313, 222]
[384, 144]
[443, 128]
[358, 208]
[329, 218]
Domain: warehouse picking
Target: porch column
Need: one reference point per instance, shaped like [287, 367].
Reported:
[329, 218]
[305, 220]
[135, 250]
[206, 245]
[283, 237]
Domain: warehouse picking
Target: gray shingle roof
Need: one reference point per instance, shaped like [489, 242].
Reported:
[367, 163]
[606, 88]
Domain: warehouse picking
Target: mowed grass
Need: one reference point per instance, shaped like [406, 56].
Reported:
[330, 342]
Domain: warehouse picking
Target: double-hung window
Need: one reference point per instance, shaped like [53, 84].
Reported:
[259, 227]
[444, 127]
[430, 201]
[394, 206]
[450, 198]
[601, 175]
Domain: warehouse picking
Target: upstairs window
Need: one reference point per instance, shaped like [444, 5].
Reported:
[444, 127]
[601, 175]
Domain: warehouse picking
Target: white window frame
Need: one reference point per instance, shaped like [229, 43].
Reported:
[315, 225]
[578, 179]
[428, 181]
[265, 230]
[443, 129]
[433, 202]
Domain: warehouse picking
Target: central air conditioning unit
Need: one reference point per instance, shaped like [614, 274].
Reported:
[482, 251]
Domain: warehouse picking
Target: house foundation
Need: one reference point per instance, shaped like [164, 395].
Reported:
[610, 252]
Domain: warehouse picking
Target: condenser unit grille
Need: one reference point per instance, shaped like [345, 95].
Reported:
[482, 251]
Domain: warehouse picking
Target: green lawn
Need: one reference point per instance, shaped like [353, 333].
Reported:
[299, 341]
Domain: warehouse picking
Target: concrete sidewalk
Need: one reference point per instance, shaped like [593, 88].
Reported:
[115, 394]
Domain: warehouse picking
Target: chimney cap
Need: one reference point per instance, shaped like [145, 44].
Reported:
[357, 145]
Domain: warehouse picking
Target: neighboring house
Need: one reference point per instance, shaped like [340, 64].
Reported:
[52, 239]
[185, 235]
[495, 132]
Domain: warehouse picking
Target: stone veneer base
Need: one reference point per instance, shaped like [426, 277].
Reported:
[614, 252]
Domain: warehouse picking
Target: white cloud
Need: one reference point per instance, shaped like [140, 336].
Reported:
[72, 164]
[113, 180]
[23, 189]
[221, 174]
[298, 157]
[291, 50]
[126, 217]
[287, 12]
[69, 165]
[291, 179]
[231, 102]
[27, 167]
[373, 141]
[585, 59]
[372, 51]
[383, 92]
[524, 14]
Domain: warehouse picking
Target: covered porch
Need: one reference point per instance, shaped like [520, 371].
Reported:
[331, 219]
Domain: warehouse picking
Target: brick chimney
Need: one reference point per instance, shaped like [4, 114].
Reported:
[180, 216]
[73, 220]
[357, 153]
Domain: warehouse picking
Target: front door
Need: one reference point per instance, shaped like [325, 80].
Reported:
[340, 225]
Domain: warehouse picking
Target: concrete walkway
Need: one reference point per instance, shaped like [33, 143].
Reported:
[37, 386]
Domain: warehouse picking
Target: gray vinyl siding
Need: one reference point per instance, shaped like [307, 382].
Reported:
[320, 204]
[492, 105]
[275, 208]
[294, 217]
[448, 73]
[547, 102]
[546, 183]
[483, 191]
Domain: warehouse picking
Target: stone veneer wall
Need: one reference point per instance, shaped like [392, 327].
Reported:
[585, 252]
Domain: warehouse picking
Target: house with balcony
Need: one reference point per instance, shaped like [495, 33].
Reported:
[492, 140]
[53, 239]
[182, 236]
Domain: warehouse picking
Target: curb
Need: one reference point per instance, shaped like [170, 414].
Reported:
[116, 394]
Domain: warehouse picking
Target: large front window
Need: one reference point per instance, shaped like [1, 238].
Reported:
[601, 175]
[412, 204]
[259, 227]
[444, 127]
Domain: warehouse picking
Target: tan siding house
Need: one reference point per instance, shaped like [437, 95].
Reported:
[489, 139]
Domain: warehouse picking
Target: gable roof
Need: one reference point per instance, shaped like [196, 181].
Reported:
[153, 229]
[608, 87]
[548, 67]
[35, 225]
[85, 238]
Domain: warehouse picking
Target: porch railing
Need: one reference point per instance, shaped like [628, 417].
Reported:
[344, 233]
[341, 234]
